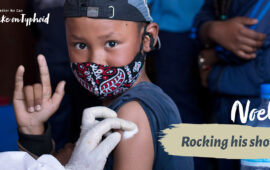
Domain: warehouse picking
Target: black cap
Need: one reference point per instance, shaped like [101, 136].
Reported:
[128, 10]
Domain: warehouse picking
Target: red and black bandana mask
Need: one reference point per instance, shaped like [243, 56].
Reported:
[107, 81]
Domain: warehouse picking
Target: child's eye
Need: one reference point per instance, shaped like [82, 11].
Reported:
[111, 44]
[80, 46]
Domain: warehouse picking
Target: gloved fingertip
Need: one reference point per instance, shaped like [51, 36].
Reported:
[129, 126]
[130, 134]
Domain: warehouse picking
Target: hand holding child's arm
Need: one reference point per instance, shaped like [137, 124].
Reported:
[91, 151]
[35, 104]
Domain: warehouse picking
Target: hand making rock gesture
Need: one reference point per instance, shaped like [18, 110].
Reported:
[35, 104]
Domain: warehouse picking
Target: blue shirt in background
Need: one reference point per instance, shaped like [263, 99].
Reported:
[8, 129]
[174, 15]
[242, 79]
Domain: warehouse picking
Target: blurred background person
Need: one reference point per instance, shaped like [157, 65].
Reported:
[234, 35]
[175, 64]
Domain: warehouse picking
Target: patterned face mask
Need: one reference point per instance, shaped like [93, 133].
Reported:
[107, 81]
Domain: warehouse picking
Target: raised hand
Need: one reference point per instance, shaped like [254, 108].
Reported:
[35, 104]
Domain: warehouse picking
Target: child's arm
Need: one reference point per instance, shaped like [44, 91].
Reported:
[137, 152]
[33, 106]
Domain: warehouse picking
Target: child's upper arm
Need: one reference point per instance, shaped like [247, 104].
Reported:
[137, 152]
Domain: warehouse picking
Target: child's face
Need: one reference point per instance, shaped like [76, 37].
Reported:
[102, 41]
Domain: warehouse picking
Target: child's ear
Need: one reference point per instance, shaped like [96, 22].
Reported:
[152, 29]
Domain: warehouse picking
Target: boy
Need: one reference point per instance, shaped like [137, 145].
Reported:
[107, 43]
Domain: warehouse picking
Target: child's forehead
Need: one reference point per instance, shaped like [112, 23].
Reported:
[83, 28]
[102, 24]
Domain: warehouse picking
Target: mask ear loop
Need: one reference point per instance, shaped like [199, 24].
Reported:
[152, 41]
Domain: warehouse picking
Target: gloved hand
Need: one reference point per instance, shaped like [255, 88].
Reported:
[89, 152]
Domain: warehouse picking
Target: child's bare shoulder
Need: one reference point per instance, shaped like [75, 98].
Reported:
[133, 111]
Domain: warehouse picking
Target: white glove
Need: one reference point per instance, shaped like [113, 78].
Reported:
[22, 161]
[90, 153]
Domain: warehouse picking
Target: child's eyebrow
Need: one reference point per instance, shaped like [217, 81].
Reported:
[106, 36]
[73, 36]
